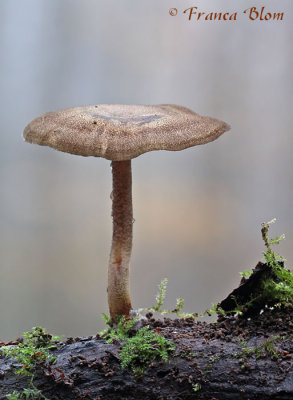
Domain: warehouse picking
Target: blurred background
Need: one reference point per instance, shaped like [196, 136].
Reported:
[198, 212]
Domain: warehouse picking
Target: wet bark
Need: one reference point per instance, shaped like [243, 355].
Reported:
[204, 366]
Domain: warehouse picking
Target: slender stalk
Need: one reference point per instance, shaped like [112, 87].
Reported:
[118, 273]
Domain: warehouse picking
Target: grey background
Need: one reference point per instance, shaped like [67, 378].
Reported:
[197, 212]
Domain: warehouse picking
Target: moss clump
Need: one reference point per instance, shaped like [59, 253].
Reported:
[269, 284]
[280, 288]
[143, 348]
[31, 351]
[139, 347]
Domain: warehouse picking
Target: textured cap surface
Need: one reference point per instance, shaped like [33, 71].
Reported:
[122, 132]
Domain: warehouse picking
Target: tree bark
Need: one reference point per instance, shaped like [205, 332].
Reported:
[208, 363]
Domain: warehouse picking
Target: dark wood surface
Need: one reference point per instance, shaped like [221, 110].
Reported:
[209, 357]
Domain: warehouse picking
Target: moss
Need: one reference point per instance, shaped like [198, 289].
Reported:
[32, 351]
[160, 298]
[280, 287]
[27, 394]
[143, 348]
[139, 347]
[265, 349]
[210, 363]
[270, 284]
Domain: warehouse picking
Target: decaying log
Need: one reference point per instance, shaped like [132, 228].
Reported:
[231, 359]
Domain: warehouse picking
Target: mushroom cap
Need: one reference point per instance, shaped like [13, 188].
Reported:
[122, 132]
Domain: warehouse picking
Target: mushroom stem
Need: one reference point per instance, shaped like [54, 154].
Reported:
[118, 274]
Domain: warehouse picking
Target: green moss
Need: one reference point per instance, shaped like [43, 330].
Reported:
[210, 364]
[280, 290]
[143, 348]
[32, 351]
[139, 347]
[27, 394]
[245, 274]
[265, 349]
[269, 285]
[120, 331]
[160, 298]
[196, 387]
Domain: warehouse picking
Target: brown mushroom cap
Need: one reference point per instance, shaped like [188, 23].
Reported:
[122, 132]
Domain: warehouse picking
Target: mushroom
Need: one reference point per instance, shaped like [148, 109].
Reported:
[119, 133]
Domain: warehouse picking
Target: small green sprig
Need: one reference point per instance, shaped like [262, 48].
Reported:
[161, 295]
[160, 298]
[270, 256]
[246, 274]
